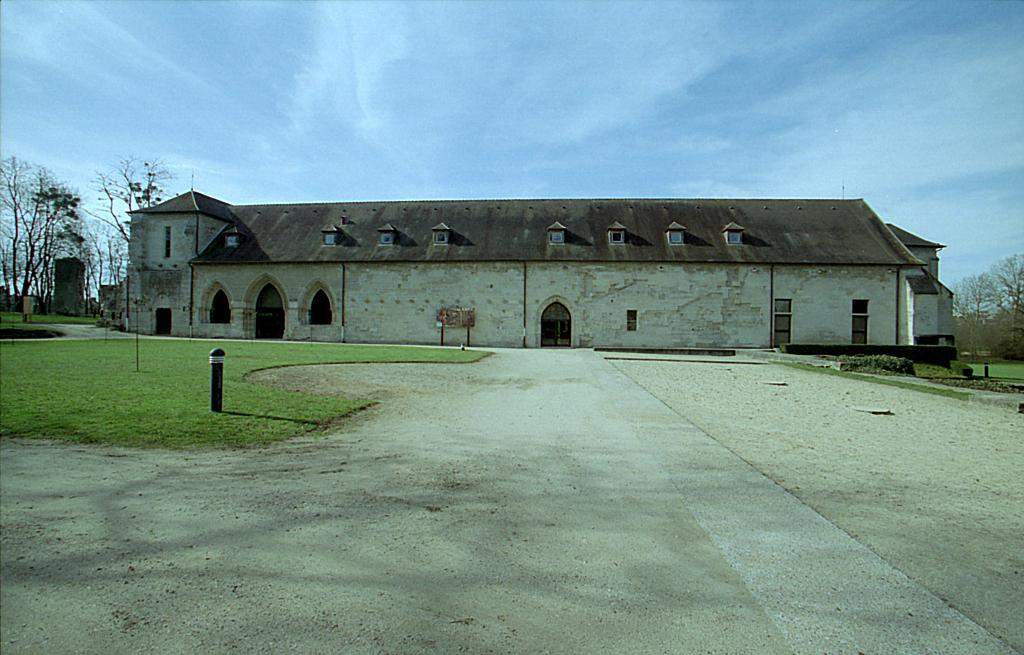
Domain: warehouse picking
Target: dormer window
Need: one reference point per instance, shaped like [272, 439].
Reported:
[675, 233]
[556, 233]
[617, 234]
[387, 234]
[232, 238]
[441, 234]
[330, 235]
[733, 234]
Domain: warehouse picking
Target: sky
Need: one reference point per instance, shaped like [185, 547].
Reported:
[916, 107]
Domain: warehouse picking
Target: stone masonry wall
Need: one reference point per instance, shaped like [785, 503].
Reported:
[678, 305]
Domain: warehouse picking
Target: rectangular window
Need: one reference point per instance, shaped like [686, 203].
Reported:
[616, 236]
[330, 238]
[231, 240]
[783, 320]
[441, 237]
[734, 237]
[630, 320]
[387, 238]
[556, 236]
[859, 328]
[675, 237]
[167, 241]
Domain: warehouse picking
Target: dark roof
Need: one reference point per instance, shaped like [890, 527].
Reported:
[777, 231]
[922, 284]
[911, 240]
[191, 201]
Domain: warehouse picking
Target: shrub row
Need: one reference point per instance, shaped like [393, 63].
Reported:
[877, 364]
[941, 355]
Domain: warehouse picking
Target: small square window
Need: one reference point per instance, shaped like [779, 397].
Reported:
[556, 236]
[630, 320]
[616, 236]
[387, 238]
[783, 305]
[860, 306]
[734, 237]
[231, 240]
[330, 238]
[441, 237]
[675, 237]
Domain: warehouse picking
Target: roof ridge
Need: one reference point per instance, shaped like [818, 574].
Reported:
[458, 200]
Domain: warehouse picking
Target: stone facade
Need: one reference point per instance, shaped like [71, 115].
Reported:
[677, 305]
[611, 303]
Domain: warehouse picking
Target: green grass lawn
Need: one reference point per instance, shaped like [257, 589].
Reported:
[88, 391]
[949, 393]
[1002, 370]
[14, 317]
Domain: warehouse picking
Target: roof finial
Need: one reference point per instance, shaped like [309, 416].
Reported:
[844, 188]
[192, 183]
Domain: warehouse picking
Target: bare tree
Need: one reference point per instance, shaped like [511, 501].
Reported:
[1008, 282]
[40, 223]
[132, 184]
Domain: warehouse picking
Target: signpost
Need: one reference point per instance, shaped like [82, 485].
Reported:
[456, 317]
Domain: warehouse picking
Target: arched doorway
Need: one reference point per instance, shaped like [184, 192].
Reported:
[269, 314]
[220, 308]
[556, 326]
[320, 309]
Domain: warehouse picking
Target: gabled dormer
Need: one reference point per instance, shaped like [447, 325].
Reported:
[440, 234]
[733, 234]
[556, 233]
[232, 237]
[675, 234]
[330, 235]
[387, 235]
[617, 234]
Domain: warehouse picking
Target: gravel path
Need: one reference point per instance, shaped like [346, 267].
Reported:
[936, 489]
[531, 502]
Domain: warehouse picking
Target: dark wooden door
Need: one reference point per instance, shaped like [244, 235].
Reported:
[556, 326]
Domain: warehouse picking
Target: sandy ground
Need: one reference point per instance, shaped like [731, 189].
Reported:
[936, 489]
[532, 502]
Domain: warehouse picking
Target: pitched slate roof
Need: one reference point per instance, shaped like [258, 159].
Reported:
[191, 201]
[911, 240]
[776, 231]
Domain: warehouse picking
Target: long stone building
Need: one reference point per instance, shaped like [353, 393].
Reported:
[532, 273]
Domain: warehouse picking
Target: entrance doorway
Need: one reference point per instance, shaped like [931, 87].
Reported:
[556, 326]
[269, 314]
[163, 320]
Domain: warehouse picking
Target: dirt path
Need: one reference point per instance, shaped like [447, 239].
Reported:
[533, 502]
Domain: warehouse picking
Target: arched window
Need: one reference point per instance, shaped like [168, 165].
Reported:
[220, 309]
[320, 309]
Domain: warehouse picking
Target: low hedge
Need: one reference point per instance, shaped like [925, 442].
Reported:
[941, 355]
[877, 364]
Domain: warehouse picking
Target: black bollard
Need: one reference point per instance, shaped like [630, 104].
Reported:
[216, 380]
[986, 369]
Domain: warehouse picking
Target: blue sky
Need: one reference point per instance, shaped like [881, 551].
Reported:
[918, 108]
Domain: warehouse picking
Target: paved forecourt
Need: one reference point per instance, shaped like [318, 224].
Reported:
[537, 501]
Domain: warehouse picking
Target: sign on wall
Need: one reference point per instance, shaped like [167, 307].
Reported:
[456, 317]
